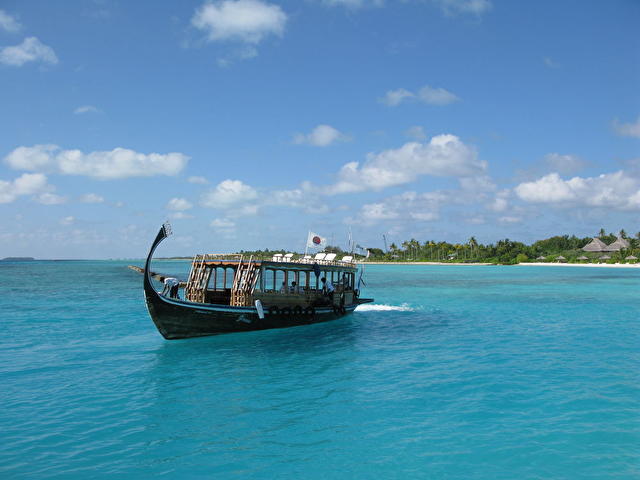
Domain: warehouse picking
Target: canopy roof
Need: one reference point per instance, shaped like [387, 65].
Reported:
[631, 257]
[582, 257]
[619, 244]
[595, 245]
[605, 257]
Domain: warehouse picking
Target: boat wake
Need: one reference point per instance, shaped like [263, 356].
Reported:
[383, 308]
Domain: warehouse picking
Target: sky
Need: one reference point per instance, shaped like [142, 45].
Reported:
[247, 123]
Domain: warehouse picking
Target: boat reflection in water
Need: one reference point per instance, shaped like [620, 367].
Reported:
[229, 293]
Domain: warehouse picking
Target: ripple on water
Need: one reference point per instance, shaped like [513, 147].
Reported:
[451, 373]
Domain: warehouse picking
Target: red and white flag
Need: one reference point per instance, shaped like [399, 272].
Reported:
[316, 241]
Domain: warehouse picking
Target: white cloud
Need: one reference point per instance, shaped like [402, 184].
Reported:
[416, 132]
[179, 204]
[443, 156]
[509, 219]
[197, 180]
[353, 3]
[394, 98]
[180, 215]
[247, 21]
[103, 165]
[459, 7]
[26, 184]
[436, 96]
[565, 164]
[616, 190]
[50, 199]
[304, 198]
[408, 207]
[8, 23]
[549, 62]
[231, 193]
[91, 198]
[67, 220]
[427, 94]
[223, 223]
[320, 136]
[86, 109]
[627, 129]
[30, 50]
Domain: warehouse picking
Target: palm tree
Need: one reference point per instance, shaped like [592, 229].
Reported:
[623, 234]
[602, 232]
[473, 243]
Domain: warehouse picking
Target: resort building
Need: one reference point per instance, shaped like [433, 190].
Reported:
[597, 245]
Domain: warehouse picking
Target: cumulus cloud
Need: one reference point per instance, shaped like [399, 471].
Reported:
[104, 165]
[179, 204]
[564, 164]
[223, 223]
[353, 4]
[617, 190]
[86, 109]
[26, 184]
[631, 129]
[305, 198]
[231, 193]
[48, 198]
[394, 98]
[320, 136]
[427, 94]
[30, 50]
[246, 21]
[67, 220]
[443, 156]
[460, 7]
[416, 132]
[8, 23]
[408, 206]
[197, 180]
[180, 215]
[91, 198]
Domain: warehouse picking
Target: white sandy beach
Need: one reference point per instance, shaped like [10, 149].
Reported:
[588, 265]
[541, 264]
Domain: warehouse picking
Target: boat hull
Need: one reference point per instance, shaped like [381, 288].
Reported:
[177, 319]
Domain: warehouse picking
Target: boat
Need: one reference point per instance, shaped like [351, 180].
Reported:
[230, 293]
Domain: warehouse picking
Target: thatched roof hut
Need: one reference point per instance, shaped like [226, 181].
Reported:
[605, 257]
[631, 257]
[541, 258]
[595, 245]
[561, 259]
[582, 258]
[618, 245]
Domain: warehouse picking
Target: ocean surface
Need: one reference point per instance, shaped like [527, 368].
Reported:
[453, 373]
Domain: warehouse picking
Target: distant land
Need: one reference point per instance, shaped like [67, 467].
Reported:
[18, 259]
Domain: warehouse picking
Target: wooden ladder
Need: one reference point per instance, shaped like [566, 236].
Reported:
[244, 283]
[196, 286]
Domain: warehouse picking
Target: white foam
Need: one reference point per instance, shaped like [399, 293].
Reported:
[373, 307]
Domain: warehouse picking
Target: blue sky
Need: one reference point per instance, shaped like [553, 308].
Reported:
[248, 122]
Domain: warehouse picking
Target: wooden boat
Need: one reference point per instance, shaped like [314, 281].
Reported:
[227, 293]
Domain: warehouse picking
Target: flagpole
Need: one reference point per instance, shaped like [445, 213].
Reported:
[306, 247]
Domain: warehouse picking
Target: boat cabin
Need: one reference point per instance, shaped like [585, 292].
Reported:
[281, 282]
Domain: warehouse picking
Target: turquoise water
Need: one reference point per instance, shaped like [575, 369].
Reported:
[455, 372]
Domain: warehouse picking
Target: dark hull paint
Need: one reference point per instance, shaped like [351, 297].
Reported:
[177, 319]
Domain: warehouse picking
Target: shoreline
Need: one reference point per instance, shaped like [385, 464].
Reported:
[541, 264]
[588, 265]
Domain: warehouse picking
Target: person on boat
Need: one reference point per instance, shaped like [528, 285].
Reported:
[171, 285]
[283, 288]
[327, 286]
[294, 288]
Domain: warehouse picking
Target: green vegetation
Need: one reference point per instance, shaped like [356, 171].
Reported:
[505, 252]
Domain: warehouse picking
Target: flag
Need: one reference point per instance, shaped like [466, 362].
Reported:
[316, 241]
